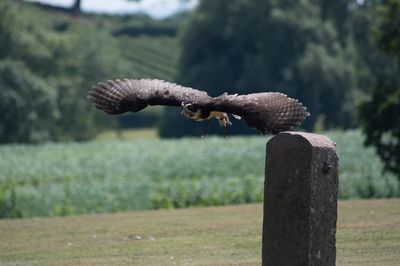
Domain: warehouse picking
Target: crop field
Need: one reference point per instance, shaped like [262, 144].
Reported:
[151, 57]
[122, 175]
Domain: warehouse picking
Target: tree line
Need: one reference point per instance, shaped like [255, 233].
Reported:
[319, 51]
[340, 58]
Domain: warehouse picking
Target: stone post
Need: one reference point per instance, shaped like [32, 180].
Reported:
[300, 200]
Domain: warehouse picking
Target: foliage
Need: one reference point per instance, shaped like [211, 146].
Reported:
[379, 115]
[28, 108]
[248, 46]
[110, 176]
[61, 57]
[43, 73]
[326, 58]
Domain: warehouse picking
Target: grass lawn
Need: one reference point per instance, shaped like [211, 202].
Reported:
[129, 134]
[368, 234]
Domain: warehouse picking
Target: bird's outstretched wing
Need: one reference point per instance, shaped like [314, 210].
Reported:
[133, 95]
[268, 112]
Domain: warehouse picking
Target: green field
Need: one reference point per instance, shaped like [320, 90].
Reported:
[145, 55]
[150, 57]
[368, 234]
[124, 175]
[128, 134]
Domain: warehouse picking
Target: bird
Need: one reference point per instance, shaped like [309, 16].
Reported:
[268, 112]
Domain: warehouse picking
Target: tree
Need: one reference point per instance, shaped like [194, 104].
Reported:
[28, 109]
[253, 46]
[45, 75]
[380, 115]
[77, 7]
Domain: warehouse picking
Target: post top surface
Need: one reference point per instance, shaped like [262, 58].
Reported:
[315, 140]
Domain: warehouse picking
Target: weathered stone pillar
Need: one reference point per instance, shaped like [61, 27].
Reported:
[300, 200]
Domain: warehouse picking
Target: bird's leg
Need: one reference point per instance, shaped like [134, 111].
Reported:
[206, 129]
[224, 122]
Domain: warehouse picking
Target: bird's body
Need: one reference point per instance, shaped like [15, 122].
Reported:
[199, 114]
[268, 112]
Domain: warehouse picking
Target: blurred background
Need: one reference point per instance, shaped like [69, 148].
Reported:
[60, 156]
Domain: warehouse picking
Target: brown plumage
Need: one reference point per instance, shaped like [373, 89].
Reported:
[268, 111]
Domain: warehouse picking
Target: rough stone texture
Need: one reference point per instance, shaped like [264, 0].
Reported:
[300, 200]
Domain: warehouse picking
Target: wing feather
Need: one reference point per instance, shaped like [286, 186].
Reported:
[268, 111]
[128, 95]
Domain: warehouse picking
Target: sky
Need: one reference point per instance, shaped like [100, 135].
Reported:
[155, 8]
